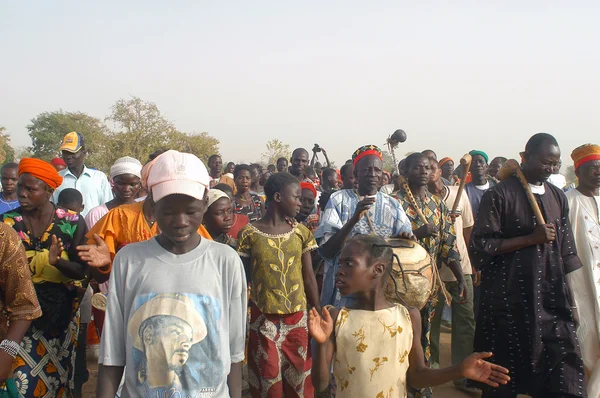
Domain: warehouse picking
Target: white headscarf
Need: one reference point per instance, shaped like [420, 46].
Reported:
[214, 195]
[126, 165]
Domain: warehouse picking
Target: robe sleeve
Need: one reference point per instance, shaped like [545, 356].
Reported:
[568, 251]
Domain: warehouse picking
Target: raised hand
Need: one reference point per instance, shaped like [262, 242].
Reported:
[97, 255]
[320, 328]
[56, 249]
[363, 206]
[474, 367]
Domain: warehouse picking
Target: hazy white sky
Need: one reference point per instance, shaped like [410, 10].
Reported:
[454, 75]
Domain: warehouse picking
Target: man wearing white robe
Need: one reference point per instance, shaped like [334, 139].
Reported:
[584, 215]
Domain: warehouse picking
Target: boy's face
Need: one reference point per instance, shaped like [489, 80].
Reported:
[179, 217]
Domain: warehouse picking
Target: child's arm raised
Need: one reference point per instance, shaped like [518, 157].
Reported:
[321, 330]
[473, 367]
[310, 281]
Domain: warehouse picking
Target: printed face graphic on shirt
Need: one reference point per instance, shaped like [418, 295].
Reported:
[167, 332]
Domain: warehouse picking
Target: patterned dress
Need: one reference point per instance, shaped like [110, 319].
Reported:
[253, 210]
[279, 355]
[442, 248]
[371, 356]
[44, 366]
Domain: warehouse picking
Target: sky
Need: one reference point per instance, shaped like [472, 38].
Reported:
[454, 75]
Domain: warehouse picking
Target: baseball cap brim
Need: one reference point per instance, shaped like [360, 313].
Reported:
[69, 148]
[178, 187]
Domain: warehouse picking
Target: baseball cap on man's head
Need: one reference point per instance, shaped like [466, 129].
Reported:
[175, 172]
[72, 142]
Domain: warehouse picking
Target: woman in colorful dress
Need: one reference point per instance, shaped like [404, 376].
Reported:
[247, 203]
[276, 253]
[18, 302]
[44, 366]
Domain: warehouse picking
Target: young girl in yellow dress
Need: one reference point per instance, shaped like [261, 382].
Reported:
[375, 344]
[276, 253]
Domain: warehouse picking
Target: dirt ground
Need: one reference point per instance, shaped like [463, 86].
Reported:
[445, 391]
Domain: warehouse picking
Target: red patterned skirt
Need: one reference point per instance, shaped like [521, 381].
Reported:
[279, 357]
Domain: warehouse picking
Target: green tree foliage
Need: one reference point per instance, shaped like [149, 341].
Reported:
[275, 150]
[22, 152]
[201, 145]
[388, 162]
[7, 152]
[142, 129]
[48, 129]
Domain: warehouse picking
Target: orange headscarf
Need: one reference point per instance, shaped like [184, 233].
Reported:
[41, 170]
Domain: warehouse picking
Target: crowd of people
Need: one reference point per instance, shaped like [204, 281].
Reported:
[208, 280]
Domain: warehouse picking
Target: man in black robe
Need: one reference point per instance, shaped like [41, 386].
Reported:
[526, 316]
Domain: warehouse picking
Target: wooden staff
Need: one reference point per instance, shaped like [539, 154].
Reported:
[510, 168]
[465, 161]
[412, 199]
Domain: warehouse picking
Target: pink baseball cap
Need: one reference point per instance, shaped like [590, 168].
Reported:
[177, 173]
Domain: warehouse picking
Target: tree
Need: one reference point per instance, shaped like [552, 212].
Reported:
[7, 152]
[275, 150]
[22, 152]
[201, 145]
[48, 129]
[388, 162]
[142, 129]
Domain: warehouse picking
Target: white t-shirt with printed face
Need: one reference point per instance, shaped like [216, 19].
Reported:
[176, 321]
[465, 220]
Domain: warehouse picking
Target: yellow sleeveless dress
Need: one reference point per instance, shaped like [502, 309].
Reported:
[371, 356]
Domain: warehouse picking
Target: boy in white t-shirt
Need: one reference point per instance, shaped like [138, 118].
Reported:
[176, 312]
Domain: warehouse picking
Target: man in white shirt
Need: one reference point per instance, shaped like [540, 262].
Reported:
[584, 205]
[463, 321]
[93, 184]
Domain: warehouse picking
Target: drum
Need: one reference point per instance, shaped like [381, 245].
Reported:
[412, 272]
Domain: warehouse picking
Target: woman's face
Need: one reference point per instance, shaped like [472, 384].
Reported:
[219, 216]
[243, 180]
[32, 193]
[385, 179]
[126, 187]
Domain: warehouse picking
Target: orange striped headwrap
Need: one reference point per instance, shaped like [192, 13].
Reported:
[585, 153]
[41, 170]
[444, 160]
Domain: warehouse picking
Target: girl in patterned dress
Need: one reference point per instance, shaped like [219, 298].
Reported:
[374, 345]
[276, 253]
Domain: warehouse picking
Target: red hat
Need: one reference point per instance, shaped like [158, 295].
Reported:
[58, 162]
[309, 186]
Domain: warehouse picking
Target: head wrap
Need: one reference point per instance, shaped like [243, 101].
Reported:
[444, 160]
[214, 195]
[309, 186]
[41, 170]
[366, 151]
[585, 153]
[126, 165]
[480, 153]
[58, 162]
